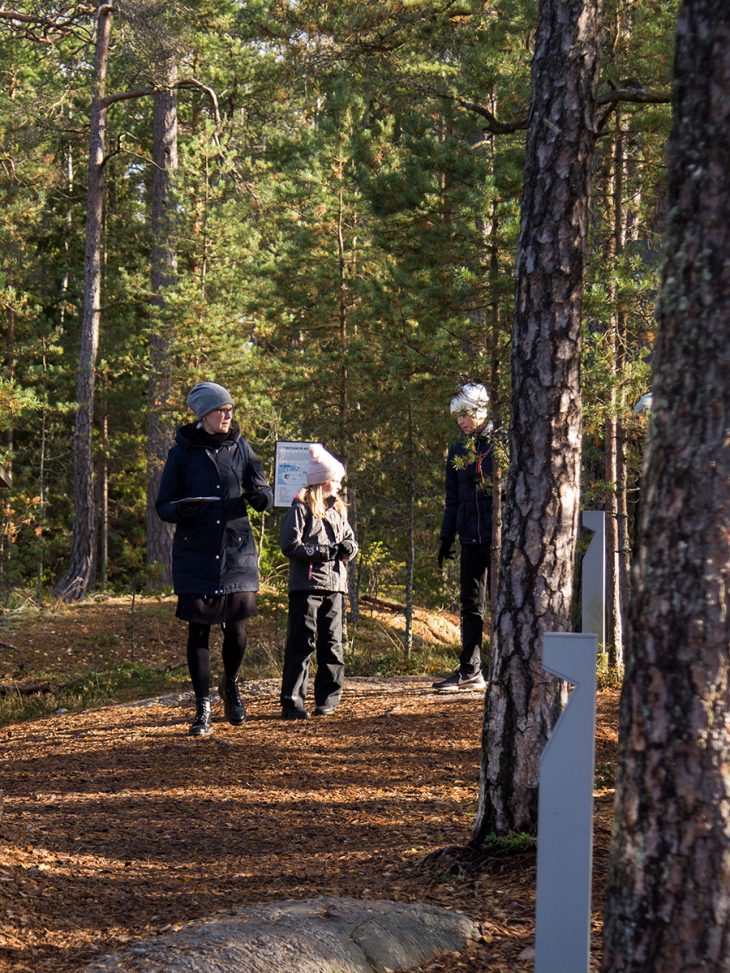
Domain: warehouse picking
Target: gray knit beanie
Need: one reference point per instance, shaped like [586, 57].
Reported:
[323, 466]
[207, 396]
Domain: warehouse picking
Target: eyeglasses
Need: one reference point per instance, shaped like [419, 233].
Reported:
[226, 411]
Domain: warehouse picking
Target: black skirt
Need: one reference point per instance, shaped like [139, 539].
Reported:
[216, 609]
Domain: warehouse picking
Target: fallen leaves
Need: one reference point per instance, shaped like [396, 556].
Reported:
[117, 826]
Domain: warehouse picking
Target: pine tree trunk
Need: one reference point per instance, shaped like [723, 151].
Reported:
[103, 562]
[495, 372]
[344, 386]
[163, 274]
[668, 908]
[42, 495]
[354, 568]
[622, 513]
[411, 556]
[342, 317]
[77, 578]
[10, 361]
[612, 462]
[542, 509]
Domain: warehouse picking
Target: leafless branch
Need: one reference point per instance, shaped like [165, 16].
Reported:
[46, 30]
[127, 95]
[639, 95]
[184, 83]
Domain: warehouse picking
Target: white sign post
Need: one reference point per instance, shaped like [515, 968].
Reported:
[593, 577]
[565, 798]
[565, 812]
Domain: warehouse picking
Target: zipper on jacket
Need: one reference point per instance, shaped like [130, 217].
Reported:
[477, 468]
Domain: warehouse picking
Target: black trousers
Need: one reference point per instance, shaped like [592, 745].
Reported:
[474, 581]
[315, 625]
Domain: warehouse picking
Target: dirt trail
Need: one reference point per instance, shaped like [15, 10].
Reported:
[117, 825]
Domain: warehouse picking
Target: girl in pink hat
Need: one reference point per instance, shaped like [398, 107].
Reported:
[319, 543]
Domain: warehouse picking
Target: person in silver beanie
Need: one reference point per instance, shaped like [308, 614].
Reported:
[210, 476]
[468, 514]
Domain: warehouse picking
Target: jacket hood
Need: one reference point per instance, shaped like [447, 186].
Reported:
[191, 436]
[486, 430]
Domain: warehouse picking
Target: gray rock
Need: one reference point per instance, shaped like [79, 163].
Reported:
[322, 935]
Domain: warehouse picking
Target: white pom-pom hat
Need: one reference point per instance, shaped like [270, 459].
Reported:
[472, 400]
[323, 466]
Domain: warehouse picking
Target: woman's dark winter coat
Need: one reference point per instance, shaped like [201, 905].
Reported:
[213, 551]
[468, 507]
[315, 547]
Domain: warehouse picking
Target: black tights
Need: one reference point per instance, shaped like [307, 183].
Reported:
[234, 645]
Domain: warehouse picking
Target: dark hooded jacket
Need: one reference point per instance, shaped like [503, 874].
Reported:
[315, 547]
[468, 489]
[213, 550]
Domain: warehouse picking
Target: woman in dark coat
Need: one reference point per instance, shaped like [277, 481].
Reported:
[210, 475]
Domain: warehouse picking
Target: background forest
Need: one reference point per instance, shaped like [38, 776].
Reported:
[317, 205]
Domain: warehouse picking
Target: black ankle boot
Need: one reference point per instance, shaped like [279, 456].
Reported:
[200, 726]
[232, 702]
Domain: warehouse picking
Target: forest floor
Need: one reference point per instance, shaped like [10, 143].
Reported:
[117, 825]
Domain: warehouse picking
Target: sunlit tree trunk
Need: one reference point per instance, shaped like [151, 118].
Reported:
[103, 491]
[410, 526]
[668, 908]
[343, 443]
[495, 391]
[613, 453]
[77, 578]
[163, 273]
[542, 508]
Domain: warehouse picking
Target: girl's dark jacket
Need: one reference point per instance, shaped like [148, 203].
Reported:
[213, 550]
[468, 503]
[315, 547]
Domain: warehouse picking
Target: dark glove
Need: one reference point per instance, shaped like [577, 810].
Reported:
[187, 509]
[235, 507]
[446, 551]
[346, 549]
[260, 500]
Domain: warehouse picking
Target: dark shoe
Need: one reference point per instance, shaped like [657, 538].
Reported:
[232, 703]
[324, 710]
[294, 713]
[201, 725]
[456, 683]
[445, 685]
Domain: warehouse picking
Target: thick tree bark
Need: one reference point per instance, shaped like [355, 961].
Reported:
[668, 907]
[541, 518]
[77, 578]
[163, 273]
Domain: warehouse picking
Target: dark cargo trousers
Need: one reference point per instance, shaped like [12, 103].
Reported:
[474, 581]
[315, 625]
